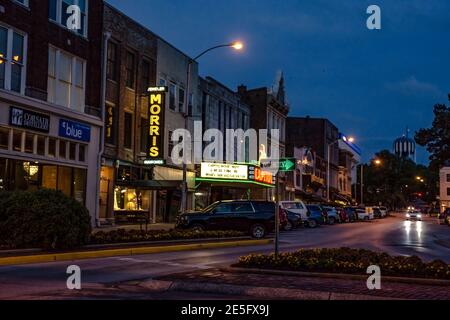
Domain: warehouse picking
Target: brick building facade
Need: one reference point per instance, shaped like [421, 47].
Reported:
[50, 98]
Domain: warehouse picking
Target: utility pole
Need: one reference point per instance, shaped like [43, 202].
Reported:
[362, 184]
[277, 215]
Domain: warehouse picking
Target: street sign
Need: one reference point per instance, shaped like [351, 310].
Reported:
[283, 165]
[288, 164]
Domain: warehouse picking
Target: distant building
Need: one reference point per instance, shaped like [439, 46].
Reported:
[317, 134]
[405, 147]
[444, 186]
[269, 110]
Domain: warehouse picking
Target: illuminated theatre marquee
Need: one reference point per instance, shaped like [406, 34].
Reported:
[157, 99]
[224, 171]
[242, 173]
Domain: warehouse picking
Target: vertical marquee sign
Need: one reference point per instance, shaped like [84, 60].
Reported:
[156, 111]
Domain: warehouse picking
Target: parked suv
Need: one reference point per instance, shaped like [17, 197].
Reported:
[255, 217]
[297, 214]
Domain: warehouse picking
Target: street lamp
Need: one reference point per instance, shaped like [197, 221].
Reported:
[237, 45]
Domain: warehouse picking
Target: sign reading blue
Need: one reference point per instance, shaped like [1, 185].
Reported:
[74, 130]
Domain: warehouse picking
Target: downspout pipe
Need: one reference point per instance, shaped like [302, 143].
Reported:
[106, 37]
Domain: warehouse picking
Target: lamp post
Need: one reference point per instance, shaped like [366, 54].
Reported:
[236, 46]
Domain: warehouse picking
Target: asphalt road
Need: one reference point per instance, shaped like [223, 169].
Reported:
[106, 278]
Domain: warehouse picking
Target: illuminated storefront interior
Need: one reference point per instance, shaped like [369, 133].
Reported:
[18, 175]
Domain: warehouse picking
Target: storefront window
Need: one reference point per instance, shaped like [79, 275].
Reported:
[4, 138]
[17, 141]
[49, 177]
[79, 185]
[3, 168]
[65, 180]
[131, 199]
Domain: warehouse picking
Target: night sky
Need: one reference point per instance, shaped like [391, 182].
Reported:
[371, 84]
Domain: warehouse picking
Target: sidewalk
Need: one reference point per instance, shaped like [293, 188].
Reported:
[269, 286]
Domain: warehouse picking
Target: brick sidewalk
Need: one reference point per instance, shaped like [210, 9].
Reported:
[357, 287]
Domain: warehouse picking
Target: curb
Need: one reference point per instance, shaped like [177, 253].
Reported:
[259, 293]
[70, 256]
[122, 245]
[418, 281]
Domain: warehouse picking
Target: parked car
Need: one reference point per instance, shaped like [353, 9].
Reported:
[377, 214]
[294, 221]
[364, 215]
[254, 217]
[384, 212]
[297, 212]
[332, 215]
[444, 218]
[351, 214]
[283, 218]
[316, 216]
[342, 215]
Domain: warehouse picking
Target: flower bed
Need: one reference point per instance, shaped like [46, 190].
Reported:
[127, 236]
[347, 261]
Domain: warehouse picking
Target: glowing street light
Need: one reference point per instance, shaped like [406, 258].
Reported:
[238, 45]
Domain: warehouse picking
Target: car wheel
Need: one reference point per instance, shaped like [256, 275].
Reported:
[366, 218]
[289, 226]
[197, 228]
[312, 223]
[331, 221]
[258, 231]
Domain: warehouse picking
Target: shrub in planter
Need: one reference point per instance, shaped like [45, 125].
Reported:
[44, 219]
[350, 261]
[124, 236]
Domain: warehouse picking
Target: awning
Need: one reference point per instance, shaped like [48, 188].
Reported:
[152, 184]
[234, 183]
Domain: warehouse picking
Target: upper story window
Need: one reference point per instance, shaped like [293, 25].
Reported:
[66, 80]
[22, 2]
[145, 81]
[111, 68]
[172, 96]
[130, 70]
[72, 18]
[12, 60]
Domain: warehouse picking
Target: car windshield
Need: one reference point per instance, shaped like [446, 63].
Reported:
[292, 205]
[210, 207]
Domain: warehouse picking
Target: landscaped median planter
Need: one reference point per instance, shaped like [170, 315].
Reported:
[136, 236]
[347, 261]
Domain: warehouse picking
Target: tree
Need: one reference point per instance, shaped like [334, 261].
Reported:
[437, 138]
[393, 182]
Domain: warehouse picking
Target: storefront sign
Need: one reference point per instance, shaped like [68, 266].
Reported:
[156, 123]
[109, 124]
[29, 120]
[154, 162]
[224, 171]
[74, 130]
[260, 175]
